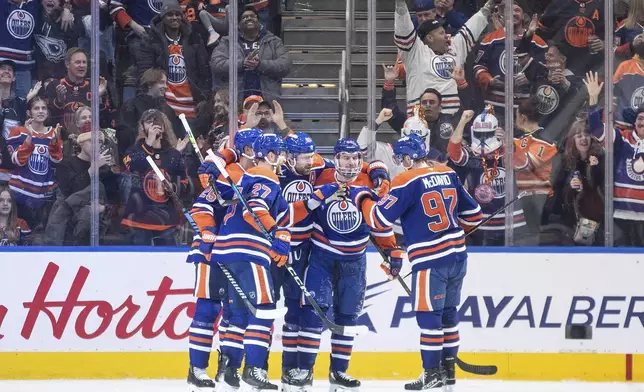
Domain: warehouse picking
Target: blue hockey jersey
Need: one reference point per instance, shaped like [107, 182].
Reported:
[339, 228]
[16, 32]
[432, 204]
[141, 11]
[297, 187]
[240, 238]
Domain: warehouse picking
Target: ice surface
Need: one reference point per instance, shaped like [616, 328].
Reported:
[320, 386]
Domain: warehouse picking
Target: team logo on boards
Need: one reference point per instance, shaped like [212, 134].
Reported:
[297, 190]
[343, 217]
[20, 24]
[548, 99]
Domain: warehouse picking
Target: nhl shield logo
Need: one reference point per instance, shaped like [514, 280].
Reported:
[548, 99]
[176, 69]
[20, 24]
[443, 66]
[155, 5]
[297, 190]
[343, 217]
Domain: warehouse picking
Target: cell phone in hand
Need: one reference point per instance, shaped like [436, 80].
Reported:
[254, 53]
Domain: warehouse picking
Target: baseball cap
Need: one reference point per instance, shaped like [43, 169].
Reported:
[424, 5]
[8, 62]
[252, 99]
[427, 27]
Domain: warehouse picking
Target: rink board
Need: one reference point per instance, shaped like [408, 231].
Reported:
[125, 314]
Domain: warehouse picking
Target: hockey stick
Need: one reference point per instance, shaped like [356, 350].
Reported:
[193, 141]
[259, 313]
[335, 328]
[483, 370]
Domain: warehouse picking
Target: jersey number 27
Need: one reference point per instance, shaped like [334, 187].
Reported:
[439, 206]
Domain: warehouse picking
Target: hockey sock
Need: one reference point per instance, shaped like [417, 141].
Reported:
[223, 325]
[290, 334]
[257, 339]
[202, 331]
[233, 344]
[431, 338]
[450, 331]
[308, 338]
[342, 346]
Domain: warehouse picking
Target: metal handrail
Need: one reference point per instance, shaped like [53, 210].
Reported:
[342, 96]
[346, 65]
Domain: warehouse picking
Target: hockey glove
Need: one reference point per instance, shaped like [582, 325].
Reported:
[393, 265]
[358, 196]
[201, 249]
[281, 245]
[379, 176]
[327, 194]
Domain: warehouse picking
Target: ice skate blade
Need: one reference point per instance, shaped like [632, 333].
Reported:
[339, 388]
[244, 387]
[449, 388]
[293, 388]
[194, 388]
[223, 387]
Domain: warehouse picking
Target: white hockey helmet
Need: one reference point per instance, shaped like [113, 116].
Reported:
[484, 142]
[416, 124]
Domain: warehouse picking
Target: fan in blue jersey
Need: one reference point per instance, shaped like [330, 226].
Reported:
[337, 266]
[432, 206]
[242, 246]
[210, 283]
[303, 166]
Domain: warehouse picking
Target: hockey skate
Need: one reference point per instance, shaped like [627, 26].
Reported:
[298, 381]
[198, 380]
[228, 380]
[449, 375]
[255, 379]
[430, 379]
[222, 363]
[342, 382]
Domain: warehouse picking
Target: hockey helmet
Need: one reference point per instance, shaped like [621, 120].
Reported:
[483, 131]
[416, 124]
[300, 149]
[269, 142]
[411, 145]
[246, 137]
[348, 169]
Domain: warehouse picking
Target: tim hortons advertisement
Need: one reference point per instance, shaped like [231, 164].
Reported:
[143, 302]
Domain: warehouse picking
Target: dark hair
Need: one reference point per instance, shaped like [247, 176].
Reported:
[530, 109]
[432, 91]
[243, 10]
[71, 52]
[35, 99]
[267, 104]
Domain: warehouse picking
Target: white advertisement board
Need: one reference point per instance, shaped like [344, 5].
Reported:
[511, 302]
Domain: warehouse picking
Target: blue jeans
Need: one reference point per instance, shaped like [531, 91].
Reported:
[23, 83]
[142, 237]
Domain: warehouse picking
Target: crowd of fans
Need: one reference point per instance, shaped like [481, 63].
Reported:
[163, 58]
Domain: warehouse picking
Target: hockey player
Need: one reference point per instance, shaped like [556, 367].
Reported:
[210, 283]
[337, 267]
[242, 246]
[303, 166]
[430, 56]
[485, 168]
[432, 205]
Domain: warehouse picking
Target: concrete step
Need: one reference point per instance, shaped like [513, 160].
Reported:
[355, 82]
[326, 104]
[331, 92]
[332, 36]
[328, 65]
[337, 5]
[338, 48]
[323, 23]
[328, 15]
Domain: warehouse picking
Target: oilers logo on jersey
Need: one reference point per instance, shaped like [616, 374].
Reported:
[155, 5]
[548, 99]
[637, 99]
[20, 24]
[446, 130]
[343, 217]
[297, 190]
[443, 66]
[176, 69]
[39, 160]
[503, 68]
[497, 184]
[54, 49]
[152, 187]
[635, 168]
[577, 31]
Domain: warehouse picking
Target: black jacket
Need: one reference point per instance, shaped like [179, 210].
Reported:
[127, 126]
[154, 54]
